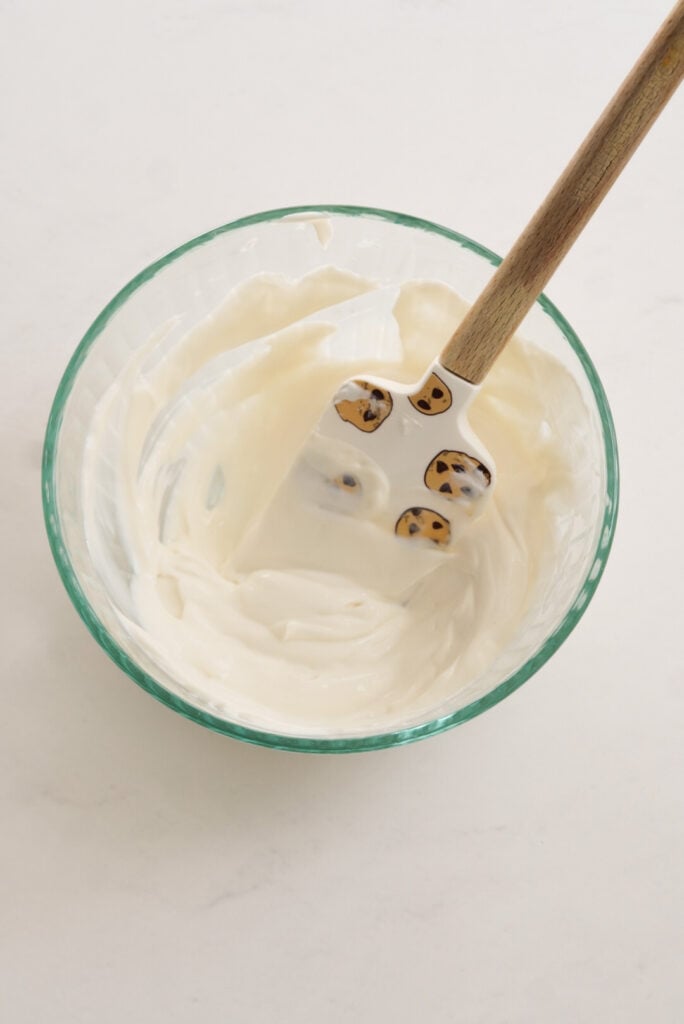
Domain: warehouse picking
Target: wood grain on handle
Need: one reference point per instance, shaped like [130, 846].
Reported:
[498, 311]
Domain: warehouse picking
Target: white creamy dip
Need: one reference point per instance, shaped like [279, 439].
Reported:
[187, 448]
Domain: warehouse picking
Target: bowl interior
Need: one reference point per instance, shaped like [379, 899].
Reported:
[179, 291]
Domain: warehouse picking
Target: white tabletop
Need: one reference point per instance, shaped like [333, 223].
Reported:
[527, 867]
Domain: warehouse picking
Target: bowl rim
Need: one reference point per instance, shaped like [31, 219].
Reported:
[313, 744]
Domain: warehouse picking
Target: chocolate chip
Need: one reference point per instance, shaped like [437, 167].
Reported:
[422, 404]
[440, 466]
[369, 416]
[377, 393]
[416, 511]
[437, 393]
[458, 468]
[348, 481]
[466, 490]
[446, 488]
[413, 528]
[437, 526]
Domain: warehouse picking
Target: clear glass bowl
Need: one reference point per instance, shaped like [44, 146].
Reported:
[189, 283]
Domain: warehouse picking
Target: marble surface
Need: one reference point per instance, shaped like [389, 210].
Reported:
[527, 867]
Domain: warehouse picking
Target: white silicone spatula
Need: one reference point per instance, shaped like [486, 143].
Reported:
[405, 456]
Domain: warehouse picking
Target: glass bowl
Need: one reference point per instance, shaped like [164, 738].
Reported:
[192, 281]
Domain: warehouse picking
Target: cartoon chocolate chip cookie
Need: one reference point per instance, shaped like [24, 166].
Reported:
[423, 522]
[457, 475]
[347, 482]
[368, 410]
[434, 397]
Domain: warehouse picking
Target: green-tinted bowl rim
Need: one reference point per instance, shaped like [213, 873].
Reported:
[315, 744]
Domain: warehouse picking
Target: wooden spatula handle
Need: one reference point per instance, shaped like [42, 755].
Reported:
[496, 314]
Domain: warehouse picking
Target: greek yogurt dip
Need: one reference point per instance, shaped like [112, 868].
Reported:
[314, 634]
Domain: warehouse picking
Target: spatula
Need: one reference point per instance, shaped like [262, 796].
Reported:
[405, 456]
